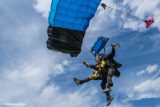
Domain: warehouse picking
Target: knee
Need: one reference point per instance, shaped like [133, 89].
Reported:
[92, 77]
[103, 85]
[110, 84]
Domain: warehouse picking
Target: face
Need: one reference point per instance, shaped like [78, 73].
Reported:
[98, 59]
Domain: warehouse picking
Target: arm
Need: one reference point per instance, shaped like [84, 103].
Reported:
[89, 65]
[113, 52]
[110, 55]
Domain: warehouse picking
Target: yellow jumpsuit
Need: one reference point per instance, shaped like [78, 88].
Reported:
[96, 74]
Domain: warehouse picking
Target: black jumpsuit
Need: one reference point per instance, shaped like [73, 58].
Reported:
[108, 73]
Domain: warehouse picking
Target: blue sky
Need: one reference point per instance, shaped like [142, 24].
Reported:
[37, 77]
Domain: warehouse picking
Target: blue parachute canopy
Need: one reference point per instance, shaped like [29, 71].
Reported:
[68, 21]
[99, 45]
[72, 14]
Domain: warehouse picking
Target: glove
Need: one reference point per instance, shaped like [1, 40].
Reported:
[115, 45]
[86, 63]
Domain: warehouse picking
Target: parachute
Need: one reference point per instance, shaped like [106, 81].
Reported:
[147, 22]
[68, 21]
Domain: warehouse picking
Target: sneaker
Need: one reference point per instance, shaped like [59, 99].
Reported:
[109, 100]
[107, 90]
[77, 81]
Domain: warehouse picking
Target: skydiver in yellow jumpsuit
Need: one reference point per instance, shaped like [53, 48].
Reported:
[97, 75]
[101, 72]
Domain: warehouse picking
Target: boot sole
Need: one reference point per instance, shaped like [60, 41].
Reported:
[109, 102]
[75, 80]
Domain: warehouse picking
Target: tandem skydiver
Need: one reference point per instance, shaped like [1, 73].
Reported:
[96, 73]
[104, 64]
[112, 70]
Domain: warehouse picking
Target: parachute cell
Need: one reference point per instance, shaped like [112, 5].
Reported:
[68, 21]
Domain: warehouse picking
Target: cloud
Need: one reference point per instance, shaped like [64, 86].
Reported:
[120, 104]
[65, 62]
[27, 84]
[60, 68]
[142, 9]
[149, 70]
[43, 7]
[147, 89]
[51, 96]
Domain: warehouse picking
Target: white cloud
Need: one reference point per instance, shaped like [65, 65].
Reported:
[65, 62]
[152, 68]
[43, 7]
[147, 89]
[141, 72]
[120, 104]
[142, 9]
[148, 70]
[29, 86]
[60, 68]
[52, 96]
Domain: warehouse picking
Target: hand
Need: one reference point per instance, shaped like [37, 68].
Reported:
[86, 63]
[115, 45]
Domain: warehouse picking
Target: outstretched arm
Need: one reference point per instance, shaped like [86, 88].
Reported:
[111, 54]
[89, 65]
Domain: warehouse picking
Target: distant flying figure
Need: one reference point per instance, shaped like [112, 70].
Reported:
[103, 5]
[148, 22]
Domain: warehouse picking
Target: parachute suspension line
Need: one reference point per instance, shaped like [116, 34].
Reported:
[70, 43]
[72, 37]
[77, 36]
[148, 22]
[120, 11]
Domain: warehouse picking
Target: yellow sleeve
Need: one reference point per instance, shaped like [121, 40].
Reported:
[103, 63]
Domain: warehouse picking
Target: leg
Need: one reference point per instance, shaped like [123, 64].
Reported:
[85, 80]
[94, 76]
[79, 82]
[111, 72]
[107, 78]
[103, 84]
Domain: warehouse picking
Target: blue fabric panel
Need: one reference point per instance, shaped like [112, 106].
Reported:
[53, 11]
[72, 14]
[99, 45]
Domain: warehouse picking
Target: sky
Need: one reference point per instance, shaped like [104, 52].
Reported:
[33, 76]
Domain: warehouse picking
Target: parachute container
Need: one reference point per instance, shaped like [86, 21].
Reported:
[149, 22]
[99, 45]
[68, 21]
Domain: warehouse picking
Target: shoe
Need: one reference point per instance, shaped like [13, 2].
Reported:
[107, 90]
[109, 100]
[77, 81]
